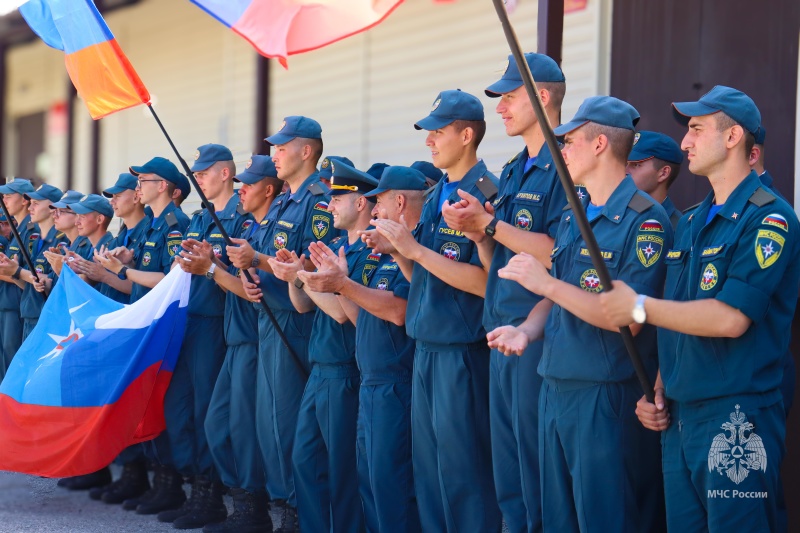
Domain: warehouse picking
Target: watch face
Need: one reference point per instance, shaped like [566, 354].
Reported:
[639, 316]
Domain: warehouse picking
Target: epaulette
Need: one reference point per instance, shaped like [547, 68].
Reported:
[195, 213]
[487, 187]
[30, 226]
[675, 217]
[640, 203]
[316, 189]
[761, 197]
[691, 208]
[240, 209]
[171, 220]
[429, 191]
[60, 235]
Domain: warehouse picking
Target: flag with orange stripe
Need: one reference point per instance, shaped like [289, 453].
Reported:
[98, 68]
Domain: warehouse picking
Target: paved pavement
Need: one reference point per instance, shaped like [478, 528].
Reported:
[30, 504]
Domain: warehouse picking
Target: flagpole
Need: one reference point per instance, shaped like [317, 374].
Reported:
[210, 207]
[569, 187]
[22, 247]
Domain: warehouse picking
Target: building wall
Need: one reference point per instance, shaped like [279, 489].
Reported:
[366, 90]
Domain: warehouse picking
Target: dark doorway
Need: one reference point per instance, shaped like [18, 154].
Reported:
[30, 144]
[678, 50]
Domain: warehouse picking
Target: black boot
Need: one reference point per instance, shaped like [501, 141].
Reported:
[132, 484]
[167, 492]
[96, 479]
[195, 499]
[284, 517]
[250, 514]
[210, 508]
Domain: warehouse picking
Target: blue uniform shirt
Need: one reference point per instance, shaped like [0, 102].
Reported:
[437, 312]
[634, 234]
[673, 212]
[241, 318]
[384, 351]
[162, 240]
[746, 257]
[10, 294]
[32, 302]
[205, 296]
[333, 343]
[293, 222]
[132, 239]
[531, 200]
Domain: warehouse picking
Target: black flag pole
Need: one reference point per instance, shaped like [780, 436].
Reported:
[569, 188]
[205, 203]
[22, 247]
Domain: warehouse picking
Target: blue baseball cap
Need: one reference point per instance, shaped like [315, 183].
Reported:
[398, 178]
[68, 198]
[603, 110]
[17, 186]
[45, 192]
[325, 166]
[208, 154]
[650, 144]
[732, 102]
[376, 170]
[293, 127]
[543, 68]
[183, 185]
[258, 168]
[161, 167]
[450, 106]
[125, 182]
[761, 135]
[93, 203]
[346, 179]
[429, 170]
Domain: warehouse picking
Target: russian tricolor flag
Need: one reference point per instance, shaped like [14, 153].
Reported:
[90, 379]
[280, 28]
[101, 73]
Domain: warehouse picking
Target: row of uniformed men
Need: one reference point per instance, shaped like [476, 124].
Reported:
[545, 440]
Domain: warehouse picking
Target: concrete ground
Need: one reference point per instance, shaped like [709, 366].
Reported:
[30, 504]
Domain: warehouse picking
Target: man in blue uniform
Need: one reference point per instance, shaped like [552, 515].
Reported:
[598, 468]
[10, 293]
[144, 268]
[203, 349]
[384, 354]
[654, 163]
[231, 422]
[296, 218]
[730, 295]
[523, 218]
[325, 441]
[450, 400]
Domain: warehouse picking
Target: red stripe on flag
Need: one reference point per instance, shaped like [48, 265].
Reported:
[70, 441]
[105, 79]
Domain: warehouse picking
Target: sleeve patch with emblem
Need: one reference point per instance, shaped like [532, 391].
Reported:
[769, 246]
[320, 224]
[776, 220]
[649, 243]
[321, 206]
[178, 235]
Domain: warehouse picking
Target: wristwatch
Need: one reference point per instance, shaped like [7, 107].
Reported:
[123, 273]
[256, 261]
[16, 274]
[299, 283]
[211, 269]
[491, 229]
[639, 315]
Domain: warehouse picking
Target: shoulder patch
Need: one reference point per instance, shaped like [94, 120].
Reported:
[171, 219]
[776, 220]
[652, 225]
[316, 189]
[769, 245]
[761, 197]
[320, 224]
[649, 242]
[640, 203]
[321, 205]
[487, 187]
[174, 235]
